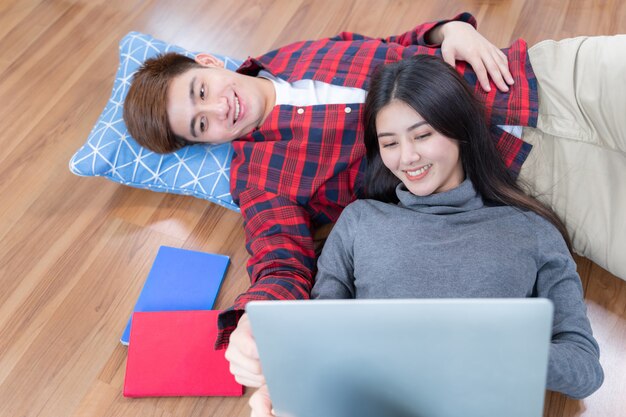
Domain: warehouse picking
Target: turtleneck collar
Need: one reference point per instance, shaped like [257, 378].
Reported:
[459, 199]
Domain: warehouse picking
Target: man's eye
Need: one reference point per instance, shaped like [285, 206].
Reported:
[202, 125]
[202, 92]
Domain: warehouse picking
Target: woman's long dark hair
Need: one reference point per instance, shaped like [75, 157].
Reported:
[441, 96]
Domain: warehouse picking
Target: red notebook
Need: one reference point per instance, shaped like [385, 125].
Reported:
[171, 354]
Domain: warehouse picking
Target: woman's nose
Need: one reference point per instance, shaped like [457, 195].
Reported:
[409, 154]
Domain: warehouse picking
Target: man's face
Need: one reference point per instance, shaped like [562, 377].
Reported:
[211, 104]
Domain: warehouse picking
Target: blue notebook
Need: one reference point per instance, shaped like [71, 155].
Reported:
[180, 279]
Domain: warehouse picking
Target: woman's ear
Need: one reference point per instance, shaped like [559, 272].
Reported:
[208, 60]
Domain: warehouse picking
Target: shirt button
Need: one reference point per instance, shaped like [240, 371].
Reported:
[347, 109]
[300, 110]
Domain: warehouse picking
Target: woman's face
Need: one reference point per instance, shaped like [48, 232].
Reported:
[426, 161]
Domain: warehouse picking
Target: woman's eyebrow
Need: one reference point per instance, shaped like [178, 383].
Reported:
[416, 125]
[412, 127]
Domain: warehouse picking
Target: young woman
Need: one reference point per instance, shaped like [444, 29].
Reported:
[444, 218]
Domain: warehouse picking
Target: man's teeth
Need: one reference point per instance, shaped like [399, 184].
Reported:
[419, 171]
[237, 109]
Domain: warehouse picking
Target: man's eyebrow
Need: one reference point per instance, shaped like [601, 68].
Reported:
[192, 97]
[412, 127]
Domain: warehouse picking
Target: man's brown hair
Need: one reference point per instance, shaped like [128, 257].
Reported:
[145, 106]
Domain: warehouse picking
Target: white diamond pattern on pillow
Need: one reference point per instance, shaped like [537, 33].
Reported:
[202, 171]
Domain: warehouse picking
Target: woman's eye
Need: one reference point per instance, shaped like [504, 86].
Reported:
[424, 136]
[202, 125]
[388, 145]
[202, 92]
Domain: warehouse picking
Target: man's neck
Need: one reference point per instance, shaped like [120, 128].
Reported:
[269, 96]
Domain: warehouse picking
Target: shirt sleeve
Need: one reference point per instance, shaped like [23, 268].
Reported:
[282, 256]
[335, 266]
[416, 36]
[573, 367]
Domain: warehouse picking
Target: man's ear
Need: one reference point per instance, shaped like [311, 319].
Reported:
[208, 60]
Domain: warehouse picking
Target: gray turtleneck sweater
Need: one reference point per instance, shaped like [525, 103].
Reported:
[451, 244]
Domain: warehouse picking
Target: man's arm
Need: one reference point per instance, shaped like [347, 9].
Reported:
[425, 34]
[461, 41]
[279, 240]
[458, 40]
[430, 34]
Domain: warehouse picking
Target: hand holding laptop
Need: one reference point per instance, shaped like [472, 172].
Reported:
[261, 403]
[245, 365]
[243, 355]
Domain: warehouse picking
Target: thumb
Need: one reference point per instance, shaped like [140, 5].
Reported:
[248, 344]
[448, 56]
[260, 403]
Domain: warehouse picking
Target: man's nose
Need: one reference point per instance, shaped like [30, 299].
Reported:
[217, 107]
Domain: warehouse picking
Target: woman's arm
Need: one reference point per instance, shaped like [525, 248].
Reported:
[335, 266]
[574, 367]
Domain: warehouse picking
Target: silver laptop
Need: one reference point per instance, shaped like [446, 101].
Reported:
[404, 358]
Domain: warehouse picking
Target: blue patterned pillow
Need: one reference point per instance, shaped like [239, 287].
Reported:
[199, 170]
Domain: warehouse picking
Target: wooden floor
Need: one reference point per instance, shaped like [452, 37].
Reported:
[74, 252]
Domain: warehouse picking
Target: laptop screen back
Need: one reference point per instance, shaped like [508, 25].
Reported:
[404, 358]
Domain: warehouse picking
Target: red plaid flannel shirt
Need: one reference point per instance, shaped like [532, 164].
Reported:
[303, 165]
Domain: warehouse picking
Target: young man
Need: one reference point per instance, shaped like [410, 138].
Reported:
[294, 118]
[298, 147]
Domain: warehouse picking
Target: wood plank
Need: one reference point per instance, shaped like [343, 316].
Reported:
[38, 22]
[13, 13]
[90, 312]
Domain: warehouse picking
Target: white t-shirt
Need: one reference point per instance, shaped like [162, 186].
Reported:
[310, 93]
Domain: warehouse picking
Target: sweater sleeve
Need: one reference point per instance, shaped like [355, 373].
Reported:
[573, 367]
[335, 266]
